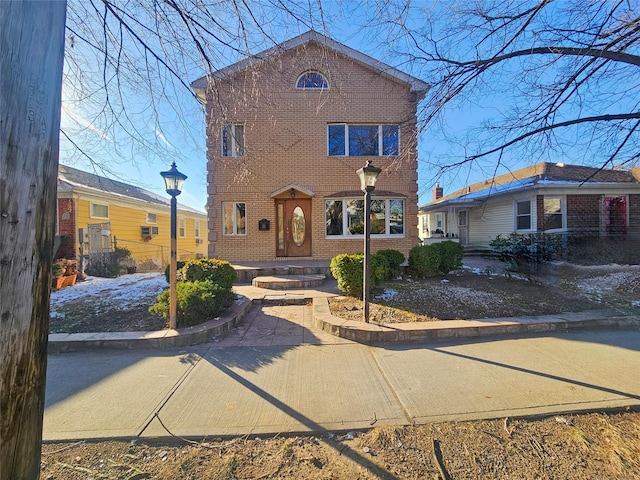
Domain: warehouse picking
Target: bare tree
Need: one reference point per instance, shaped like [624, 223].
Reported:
[31, 54]
[555, 79]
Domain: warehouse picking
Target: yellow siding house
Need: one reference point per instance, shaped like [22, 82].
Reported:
[96, 215]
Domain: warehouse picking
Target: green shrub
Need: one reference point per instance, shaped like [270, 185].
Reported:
[197, 302]
[450, 255]
[167, 271]
[378, 269]
[394, 260]
[424, 261]
[217, 271]
[348, 270]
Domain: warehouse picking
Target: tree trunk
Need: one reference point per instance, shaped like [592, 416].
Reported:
[31, 57]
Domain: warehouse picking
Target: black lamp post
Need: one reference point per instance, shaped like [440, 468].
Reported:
[173, 180]
[368, 176]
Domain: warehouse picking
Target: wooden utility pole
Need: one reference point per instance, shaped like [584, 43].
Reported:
[31, 58]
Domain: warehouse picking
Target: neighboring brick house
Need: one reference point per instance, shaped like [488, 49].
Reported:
[95, 213]
[546, 197]
[286, 131]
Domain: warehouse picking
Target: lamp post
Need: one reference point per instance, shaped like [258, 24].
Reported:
[368, 176]
[173, 180]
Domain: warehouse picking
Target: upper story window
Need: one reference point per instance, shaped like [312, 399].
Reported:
[196, 228]
[99, 211]
[312, 80]
[182, 228]
[523, 215]
[233, 140]
[362, 140]
[152, 218]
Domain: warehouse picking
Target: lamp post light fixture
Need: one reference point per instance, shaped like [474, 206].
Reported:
[368, 176]
[173, 180]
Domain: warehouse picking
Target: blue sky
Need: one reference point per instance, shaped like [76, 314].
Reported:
[170, 125]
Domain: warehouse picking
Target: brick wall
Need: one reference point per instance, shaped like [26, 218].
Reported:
[286, 143]
[66, 228]
[584, 213]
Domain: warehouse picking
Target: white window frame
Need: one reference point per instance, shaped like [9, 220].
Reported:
[182, 228]
[92, 213]
[563, 212]
[387, 226]
[233, 220]
[322, 87]
[532, 217]
[152, 218]
[380, 138]
[236, 150]
[196, 228]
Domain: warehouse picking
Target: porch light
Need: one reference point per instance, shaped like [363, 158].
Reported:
[368, 176]
[173, 180]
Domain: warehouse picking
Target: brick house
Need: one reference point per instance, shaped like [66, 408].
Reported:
[286, 131]
[95, 213]
[546, 197]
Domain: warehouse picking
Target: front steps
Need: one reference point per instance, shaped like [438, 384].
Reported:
[288, 282]
[246, 274]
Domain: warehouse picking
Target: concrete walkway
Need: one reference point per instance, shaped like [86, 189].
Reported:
[278, 373]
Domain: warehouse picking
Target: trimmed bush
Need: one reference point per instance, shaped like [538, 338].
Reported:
[348, 270]
[424, 261]
[217, 271]
[197, 302]
[394, 260]
[440, 257]
[450, 255]
[378, 269]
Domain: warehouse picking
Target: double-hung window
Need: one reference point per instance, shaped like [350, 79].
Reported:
[362, 140]
[523, 215]
[233, 140]
[182, 228]
[234, 218]
[345, 217]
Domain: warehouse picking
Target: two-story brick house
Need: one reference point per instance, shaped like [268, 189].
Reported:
[286, 131]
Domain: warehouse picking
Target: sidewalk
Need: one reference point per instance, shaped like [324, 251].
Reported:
[279, 374]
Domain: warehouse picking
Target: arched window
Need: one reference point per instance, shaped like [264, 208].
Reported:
[312, 80]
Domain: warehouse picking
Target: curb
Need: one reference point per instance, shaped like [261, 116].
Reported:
[349, 329]
[447, 329]
[182, 337]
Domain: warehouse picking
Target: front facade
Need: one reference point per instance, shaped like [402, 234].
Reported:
[96, 214]
[287, 131]
[546, 197]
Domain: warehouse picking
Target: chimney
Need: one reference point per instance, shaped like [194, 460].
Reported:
[437, 192]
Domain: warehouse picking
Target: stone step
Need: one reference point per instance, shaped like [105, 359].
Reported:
[286, 282]
[246, 273]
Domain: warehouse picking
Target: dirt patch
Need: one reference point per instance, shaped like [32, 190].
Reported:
[469, 294]
[593, 446]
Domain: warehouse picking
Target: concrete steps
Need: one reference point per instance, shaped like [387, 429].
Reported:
[288, 282]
